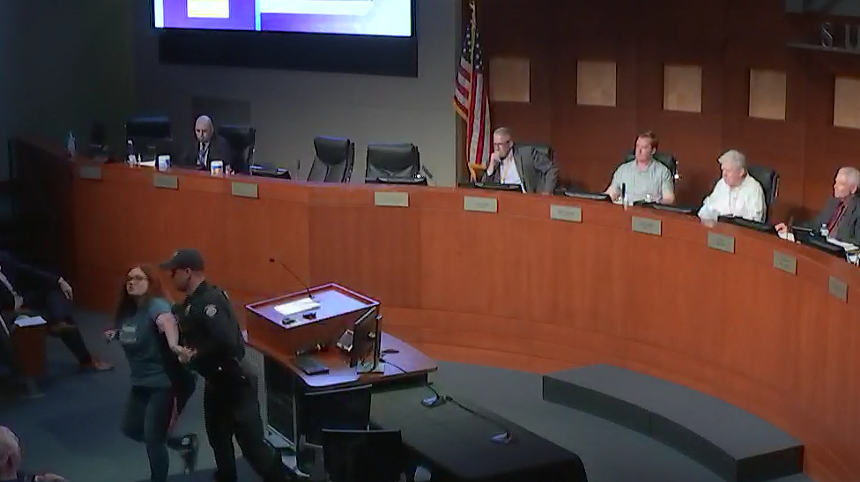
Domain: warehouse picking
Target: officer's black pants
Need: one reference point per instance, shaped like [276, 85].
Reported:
[231, 408]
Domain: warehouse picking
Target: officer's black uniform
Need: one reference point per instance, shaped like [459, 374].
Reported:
[208, 325]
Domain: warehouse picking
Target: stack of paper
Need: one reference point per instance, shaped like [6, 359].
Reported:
[25, 321]
[297, 306]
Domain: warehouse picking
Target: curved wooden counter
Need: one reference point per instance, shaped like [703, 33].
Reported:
[517, 288]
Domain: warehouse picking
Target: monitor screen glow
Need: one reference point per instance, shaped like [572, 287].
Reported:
[389, 18]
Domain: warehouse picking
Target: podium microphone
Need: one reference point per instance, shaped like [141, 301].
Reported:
[288, 270]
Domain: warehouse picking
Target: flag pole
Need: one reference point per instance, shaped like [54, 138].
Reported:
[473, 20]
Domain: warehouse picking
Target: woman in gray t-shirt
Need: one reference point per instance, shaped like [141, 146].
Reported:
[160, 384]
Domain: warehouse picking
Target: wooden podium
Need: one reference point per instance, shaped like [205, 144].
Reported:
[281, 334]
[28, 345]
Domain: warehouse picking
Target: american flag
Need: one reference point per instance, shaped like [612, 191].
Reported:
[471, 100]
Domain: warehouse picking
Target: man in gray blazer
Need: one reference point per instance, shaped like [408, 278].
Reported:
[533, 170]
[841, 215]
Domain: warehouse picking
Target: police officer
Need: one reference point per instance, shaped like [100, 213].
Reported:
[215, 349]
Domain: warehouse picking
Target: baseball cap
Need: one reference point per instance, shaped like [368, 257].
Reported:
[186, 258]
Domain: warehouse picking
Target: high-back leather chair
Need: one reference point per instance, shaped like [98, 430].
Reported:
[769, 180]
[148, 128]
[392, 162]
[333, 160]
[242, 141]
[666, 158]
[543, 148]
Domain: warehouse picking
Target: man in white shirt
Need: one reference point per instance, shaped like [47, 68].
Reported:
[736, 194]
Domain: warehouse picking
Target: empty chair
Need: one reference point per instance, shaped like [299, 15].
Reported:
[333, 160]
[148, 137]
[395, 163]
[155, 128]
[242, 141]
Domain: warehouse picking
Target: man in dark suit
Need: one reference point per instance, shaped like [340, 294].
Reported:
[533, 170]
[841, 215]
[209, 147]
[27, 289]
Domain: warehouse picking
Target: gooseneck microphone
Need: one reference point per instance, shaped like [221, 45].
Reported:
[288, 270]
[437, 400]
[503, 437]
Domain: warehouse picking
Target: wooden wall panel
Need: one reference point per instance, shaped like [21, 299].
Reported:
[727, 38]
[767, 94]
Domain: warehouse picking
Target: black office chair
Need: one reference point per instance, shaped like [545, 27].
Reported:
[148, 128]
[769, 180]
[333, 160]
[242, 141]
[543, 148]
[394, 163]
[666, 158]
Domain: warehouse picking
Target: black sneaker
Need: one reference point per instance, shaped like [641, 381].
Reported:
[189, 447]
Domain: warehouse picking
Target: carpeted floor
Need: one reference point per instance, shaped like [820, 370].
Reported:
[73, 429]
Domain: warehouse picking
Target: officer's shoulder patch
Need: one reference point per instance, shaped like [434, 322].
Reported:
[210, 310]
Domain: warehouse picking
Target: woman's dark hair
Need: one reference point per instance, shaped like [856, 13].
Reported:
[127, 305]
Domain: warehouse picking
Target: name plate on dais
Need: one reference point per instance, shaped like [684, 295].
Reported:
[785, 262]
[165, 181]
[721, 242]
[244, 189]
[647, 226]
[391, 199]
[90, 172]
[480, 204]
[839, 288]
[572, 214]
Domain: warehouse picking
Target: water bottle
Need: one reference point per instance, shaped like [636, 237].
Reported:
[129, 155]
[71, 145]
[624, 196]
[824, 231]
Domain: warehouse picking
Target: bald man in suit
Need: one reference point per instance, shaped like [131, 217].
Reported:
[209, 147]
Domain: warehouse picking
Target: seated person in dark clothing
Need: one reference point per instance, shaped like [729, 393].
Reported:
[10, 460]
[25, 289]
[209, 147]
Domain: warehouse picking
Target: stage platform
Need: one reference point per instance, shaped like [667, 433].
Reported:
[736, 445]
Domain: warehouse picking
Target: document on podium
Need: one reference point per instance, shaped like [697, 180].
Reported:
[297, 306]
